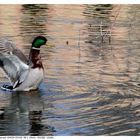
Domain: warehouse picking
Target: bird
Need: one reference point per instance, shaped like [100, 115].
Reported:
[24, 73]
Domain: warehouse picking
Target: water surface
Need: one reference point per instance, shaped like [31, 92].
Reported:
[91, 84]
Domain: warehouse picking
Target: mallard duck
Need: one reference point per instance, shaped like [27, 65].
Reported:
[24, 73]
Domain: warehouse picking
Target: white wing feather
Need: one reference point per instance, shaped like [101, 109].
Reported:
[7, 46]
[13, 65]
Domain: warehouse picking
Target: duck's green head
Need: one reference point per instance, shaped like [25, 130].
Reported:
[39, 41]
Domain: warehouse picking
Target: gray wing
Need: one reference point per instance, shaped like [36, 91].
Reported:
[7, 46]
[13, 66]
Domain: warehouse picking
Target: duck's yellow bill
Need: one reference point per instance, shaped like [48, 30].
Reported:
[50, 45]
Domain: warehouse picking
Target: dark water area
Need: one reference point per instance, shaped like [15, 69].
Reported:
[92, 70]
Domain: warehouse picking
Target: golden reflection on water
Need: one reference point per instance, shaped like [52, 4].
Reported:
[10, 22]
[89, 86]
[69, 15]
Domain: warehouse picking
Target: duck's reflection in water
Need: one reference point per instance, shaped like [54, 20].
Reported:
[35, 122]
[23, 116]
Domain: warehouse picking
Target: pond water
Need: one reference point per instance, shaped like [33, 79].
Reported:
[92, 70]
